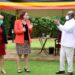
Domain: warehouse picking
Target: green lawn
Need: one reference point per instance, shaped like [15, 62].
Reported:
[37, 68]
[34, 45]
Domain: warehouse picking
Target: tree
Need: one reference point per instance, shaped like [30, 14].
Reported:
[45, 25]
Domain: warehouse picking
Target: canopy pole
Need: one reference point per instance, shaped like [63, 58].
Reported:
[62, 12]
[17, 11]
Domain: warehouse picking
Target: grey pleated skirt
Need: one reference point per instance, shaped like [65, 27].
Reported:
[23, 49]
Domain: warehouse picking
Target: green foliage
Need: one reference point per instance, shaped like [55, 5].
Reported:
[8, 22]
[40, 25]
[45, 25]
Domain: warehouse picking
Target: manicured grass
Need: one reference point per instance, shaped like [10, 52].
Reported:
[10, 46]
[37, 68]
[35, 44]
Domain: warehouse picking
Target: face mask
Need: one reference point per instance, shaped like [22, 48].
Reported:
[67, 17]
[1, 22]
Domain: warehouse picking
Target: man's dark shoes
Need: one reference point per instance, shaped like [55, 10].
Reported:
[60, 72]
[70, 73]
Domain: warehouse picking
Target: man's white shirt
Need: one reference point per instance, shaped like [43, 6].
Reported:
[68, 33]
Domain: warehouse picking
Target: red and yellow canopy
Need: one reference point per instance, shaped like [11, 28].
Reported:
[37, 5]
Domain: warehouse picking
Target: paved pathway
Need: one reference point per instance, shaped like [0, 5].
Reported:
[11, 55]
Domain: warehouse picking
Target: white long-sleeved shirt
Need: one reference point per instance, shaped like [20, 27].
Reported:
[68, 33]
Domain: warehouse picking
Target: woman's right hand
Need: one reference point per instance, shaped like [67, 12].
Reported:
[24, 29]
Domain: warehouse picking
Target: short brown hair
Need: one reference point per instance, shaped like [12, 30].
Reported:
[22, 14]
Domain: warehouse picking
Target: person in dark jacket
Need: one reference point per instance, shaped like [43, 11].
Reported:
[3, 41]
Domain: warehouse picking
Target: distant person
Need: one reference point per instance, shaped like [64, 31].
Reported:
[67, 43]
[3, 41]
[22, 29]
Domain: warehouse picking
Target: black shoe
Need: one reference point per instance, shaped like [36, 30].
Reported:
[27, 70]
[60, 72]
[70, 73]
